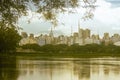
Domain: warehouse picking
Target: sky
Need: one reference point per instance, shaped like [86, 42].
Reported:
[106, 19]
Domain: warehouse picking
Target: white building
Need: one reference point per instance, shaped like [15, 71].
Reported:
[28, 40]
[117, 43]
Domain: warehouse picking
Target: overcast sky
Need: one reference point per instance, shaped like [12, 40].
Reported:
[106, 19]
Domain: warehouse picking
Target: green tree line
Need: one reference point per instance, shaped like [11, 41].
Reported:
[62, 48]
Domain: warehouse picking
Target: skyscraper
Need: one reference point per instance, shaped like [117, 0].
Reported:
[51, 33]
[80, 31]
[86, 33]
[24, 35]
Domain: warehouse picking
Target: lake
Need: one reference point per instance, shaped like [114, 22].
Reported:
[60, 69]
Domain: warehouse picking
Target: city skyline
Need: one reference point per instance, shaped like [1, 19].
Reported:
[71, 33]
[81, 37]
[106, 19]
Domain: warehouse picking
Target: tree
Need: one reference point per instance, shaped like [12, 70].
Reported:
[8, 66]
[34, 47]
[9, 38]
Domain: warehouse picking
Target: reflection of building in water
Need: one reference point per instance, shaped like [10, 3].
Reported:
[45, 70]
[104, 70]
[82, 70]
[85, 69]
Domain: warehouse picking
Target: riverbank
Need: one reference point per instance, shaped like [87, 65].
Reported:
[58, 55]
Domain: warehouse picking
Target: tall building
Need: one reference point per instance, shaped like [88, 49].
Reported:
[83, 33]
[86, 33]
[75, 38]
[31, 39]
[106, 36]
[95, 39]
[24, 35]
[41, 40]
[81, 36]
[51, 33]
[51, 37]
[31, 36]
[80, 31]
[27, 40]
[106, 39]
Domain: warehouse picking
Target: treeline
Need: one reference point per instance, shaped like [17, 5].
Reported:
[62, 48]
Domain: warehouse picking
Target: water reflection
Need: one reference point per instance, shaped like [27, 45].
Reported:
[57, 69]
[105, 69]
[67, 69]
[8, 70]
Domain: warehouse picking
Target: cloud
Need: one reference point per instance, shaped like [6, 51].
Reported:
[106, 19]
[115, 3]
[106, 14]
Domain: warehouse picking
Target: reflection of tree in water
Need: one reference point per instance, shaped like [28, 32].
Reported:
[8, 69]
[95, 68]
[106, 70]
[115, 69]
[82, 69]
[47, 70]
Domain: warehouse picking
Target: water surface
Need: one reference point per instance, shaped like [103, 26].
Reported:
[60, 69]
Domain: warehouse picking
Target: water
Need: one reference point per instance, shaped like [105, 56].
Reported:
[60, 69]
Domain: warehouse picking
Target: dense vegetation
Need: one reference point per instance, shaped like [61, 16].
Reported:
[9, 38]
[62, 48]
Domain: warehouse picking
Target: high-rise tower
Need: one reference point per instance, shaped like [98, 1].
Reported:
[80, 31]
[78, 26]
[51, 37]
[51, 32]
[71, 30]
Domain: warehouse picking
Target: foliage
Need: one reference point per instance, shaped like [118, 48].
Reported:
[9, 38]
[11, 10]
[35, 47]
[90, 48]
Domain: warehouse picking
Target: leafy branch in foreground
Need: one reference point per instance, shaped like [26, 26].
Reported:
[12, 10]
